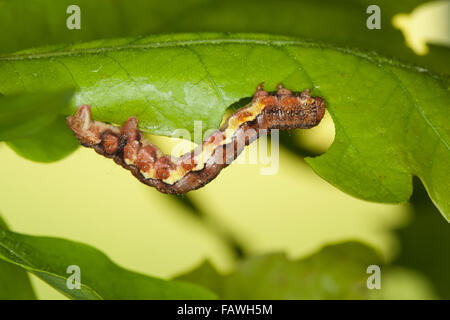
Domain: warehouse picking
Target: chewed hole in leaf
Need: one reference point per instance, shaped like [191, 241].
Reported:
[319, 138]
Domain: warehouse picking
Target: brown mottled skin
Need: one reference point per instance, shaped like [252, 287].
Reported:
[283, 110]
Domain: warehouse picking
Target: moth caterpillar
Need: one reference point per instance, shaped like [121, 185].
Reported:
[126, 145]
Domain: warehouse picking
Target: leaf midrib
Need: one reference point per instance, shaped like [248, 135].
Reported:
[240, 39]
[163, 44]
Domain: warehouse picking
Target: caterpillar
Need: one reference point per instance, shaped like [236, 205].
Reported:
[281, 110]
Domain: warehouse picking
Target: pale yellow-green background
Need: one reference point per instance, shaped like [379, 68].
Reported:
[90, 199]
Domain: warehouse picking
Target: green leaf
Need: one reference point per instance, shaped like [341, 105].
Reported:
[335, 272]
[24, 115]
[49, 258]
[52, 143]
[14, 281]
[33, 126]
[342, 23]
[389, 118]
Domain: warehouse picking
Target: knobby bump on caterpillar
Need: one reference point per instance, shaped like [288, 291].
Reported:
[283, 110]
